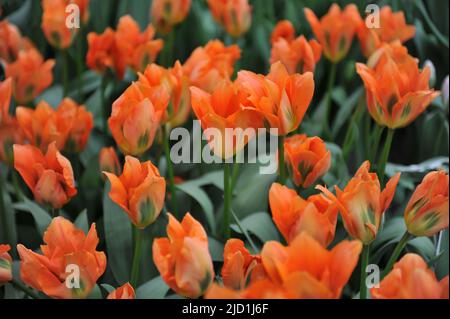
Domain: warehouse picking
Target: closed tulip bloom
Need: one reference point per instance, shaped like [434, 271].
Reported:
[208, 65]
[234, 15]
[168, 13]
[10, 134]
[83, 5]
[283, 30]
[5, 100]
[124, 292]
[49, 176]
[108, 161]
[362, 202]
[392, 28]
[239, 265]
[397, 91]
[307, 158]
[139, 191]
[281, 98]
[10, 43]
[335, 30]
[65, 246]
[411, 279]
[293, 215]
[183, 258]
[31, 75]
[54, 23]
[427, 210]
[136, 116]
[224, 109]
[138, 48]
[5, 265]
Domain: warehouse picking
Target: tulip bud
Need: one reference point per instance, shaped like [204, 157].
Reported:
[108, 161]
[124, 292]
[234, 15]
[168, 13]
[54, 24]
[5, 265]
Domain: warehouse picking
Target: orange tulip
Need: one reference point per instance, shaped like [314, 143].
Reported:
[234, 15]
[10, 43]
[307, 158]
[30, 74]
[65, 247]
[392, 28]
[54, 23]
[281, 98]
[138, 49]
[83, 5]
[139, 191]
[5, 265]
[78, 122]
[283, 30]
[397, 91]
[362, 203]
[136, 116]
[293, 215]
[427, 210]
[411, 279]
[261, 289]
[49, 176]
[224, 109]
[183, 259]
[10, 134]
[168, 13]
[208, 65]
[124, 292]
[335, 30]
[108, 161]
[5, 100]
[239, 265]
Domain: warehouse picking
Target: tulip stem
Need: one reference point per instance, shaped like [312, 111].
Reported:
[227, 200]
[170, 173]
[15, 180]
[356, 117]
[105, 112]
[331, 79]
[65, 70]
[384, 156]
[138, 236]
[364, 263]
[80, 62]
[235, 173]
[281, 164]
[25, 289]
[396, 253]
[54, 212]
[375, 138]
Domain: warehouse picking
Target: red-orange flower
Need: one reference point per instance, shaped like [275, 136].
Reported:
[124, 292]
[5, 100]
[283, 30]
[83, 5]
[392, 27]
[66, 248]
[168, 13]
[11, 41]
[10, 134]
[335, 30]
[281, 98]
[49, 176]
[397, 91]
[30, 74]
[234, 15]
[138, 49]
[183, 258]
[307, 158]
[411, 279]
[362, 203]
[427, 210]
[5, 265]
[139, 191]
[208, 65]
[108, 161]
[54, 23]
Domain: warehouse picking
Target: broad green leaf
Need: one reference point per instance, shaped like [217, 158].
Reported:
[81, 221]
[41, 217]
[215, 249]
[261, 225]
[153, 289]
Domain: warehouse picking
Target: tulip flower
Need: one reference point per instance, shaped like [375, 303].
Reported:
[239, 265]
[30, 75]
[54, 24]
[49, 176]
[139, 191]
[283, 30]
[293, 215]
[5, 100]
[10, 134]
[124, 292]
[307, 158]
[208, 65]
[83, 5]
[138, 49]
[392, 28]
[261, 289]
[411, 279]
[12, 42]
[108, 161]
[335, 30]
[166, 14]
[427, 210]
[397, 91]
[136, 116]
[183, 259]
[234, 15]
[362, 202]
[5, 265]
[66, 249]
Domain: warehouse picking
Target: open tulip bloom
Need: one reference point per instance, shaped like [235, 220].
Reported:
[223, 149]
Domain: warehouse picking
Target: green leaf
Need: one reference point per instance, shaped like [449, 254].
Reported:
[96, 293]
[345, 110]
[153, 289]
[261, 225]
[108, 288]
[215, 249]
[41, 217]
[8, 230]
[442, 264]
[82, 221]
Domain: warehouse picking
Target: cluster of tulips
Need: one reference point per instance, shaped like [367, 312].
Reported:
[39, 143]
